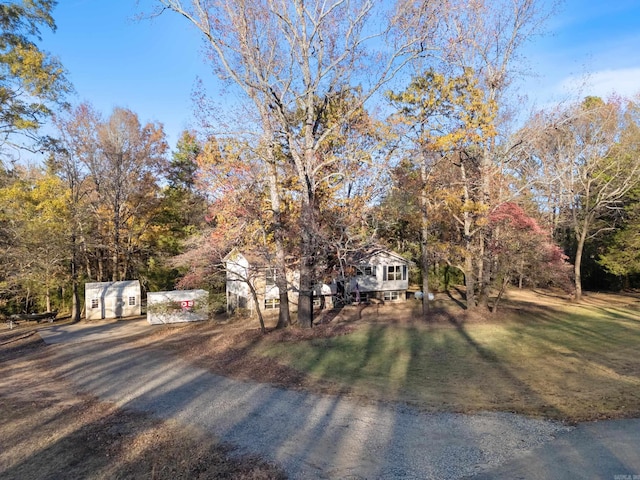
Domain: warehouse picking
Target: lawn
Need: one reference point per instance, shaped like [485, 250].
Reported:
[540, 356]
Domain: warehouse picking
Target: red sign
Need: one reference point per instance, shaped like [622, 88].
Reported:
[187, 304]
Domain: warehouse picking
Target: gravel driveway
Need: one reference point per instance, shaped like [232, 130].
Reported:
[311, 436]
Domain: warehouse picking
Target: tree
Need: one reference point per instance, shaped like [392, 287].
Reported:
[444, 116]
[522, 249]
[587, 153]
[72, 150]
[181, 214]
[35, 207]
[117, 161]
[124, 171]
[488, 36]
[621, 254]
[32, 82]
[290, 59]
[238, 189]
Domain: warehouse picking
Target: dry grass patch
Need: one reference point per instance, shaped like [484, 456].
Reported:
[47, 431]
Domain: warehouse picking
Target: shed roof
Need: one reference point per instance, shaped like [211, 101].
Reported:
[111, 285]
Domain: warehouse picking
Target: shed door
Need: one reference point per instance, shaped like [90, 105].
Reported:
[119, 307]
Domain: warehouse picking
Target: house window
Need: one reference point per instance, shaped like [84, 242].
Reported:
[364, 297]
[270, 276]
[132, 301]
[242, 302]
[94, 303]
[368, 270]
[271, 303]
[391, 296]
[395, 272]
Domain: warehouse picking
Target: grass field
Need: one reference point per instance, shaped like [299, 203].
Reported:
[540, 355]
[552, 359]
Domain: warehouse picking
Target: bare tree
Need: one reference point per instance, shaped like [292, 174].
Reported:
[584, 167]
[291, 58]
[69, 159]
[120, 159]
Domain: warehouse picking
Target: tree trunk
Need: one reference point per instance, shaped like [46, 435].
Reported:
[424, 238]
[27, 300]
[521, 275]
[100, 266]
[484, 273]
[75, 295]
[505, 282]
[48, 299]
[469, 267]
[116, 246]
[307, 266]
[577, 267]
[284, 315]
[484, 276]
[469, 281]
[254, 294]
[309, 220]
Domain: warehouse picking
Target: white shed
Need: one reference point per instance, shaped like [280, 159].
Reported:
[177, 306]
[112, 299]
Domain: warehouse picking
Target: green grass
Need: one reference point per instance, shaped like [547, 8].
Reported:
[567, 362]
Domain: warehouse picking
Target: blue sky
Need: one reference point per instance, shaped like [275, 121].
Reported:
[151, 66]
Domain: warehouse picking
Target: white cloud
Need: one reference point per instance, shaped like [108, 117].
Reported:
[624, 81]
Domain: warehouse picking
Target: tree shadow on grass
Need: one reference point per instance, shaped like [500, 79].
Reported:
[524, 390]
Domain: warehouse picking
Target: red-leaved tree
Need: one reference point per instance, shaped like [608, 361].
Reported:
[524, 251]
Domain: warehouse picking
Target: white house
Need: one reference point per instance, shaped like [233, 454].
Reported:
[380, 274]
[177, 306]
[248, 270]
[112, 299]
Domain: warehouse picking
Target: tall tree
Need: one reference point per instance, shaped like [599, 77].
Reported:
[122, 160]
[182, 213]
[587, 152]
[35, 207]
[32, 82]
[443, 117]
[294, 57]
[72, 151]
[488, 36]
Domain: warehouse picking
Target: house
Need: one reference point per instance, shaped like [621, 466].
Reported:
[177, 306]
[112, 299]
[246, 271]
[380, 274]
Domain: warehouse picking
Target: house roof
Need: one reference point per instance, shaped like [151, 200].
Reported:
[262, 260]
[256, 259]
[363, 256]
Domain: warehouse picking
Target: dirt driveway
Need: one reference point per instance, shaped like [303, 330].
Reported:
[315, 436]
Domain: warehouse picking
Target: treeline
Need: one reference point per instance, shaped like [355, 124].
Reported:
[405, 133]
[111, 203]
[108, 205]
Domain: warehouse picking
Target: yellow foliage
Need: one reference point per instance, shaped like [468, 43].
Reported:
[447, 113]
